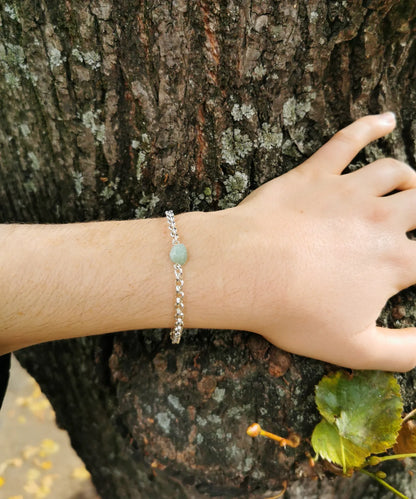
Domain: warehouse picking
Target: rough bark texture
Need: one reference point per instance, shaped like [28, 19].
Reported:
[121, 109]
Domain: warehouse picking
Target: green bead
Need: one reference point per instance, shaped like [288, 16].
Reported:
[178, 254]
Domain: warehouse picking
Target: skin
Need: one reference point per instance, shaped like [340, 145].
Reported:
[308, 260]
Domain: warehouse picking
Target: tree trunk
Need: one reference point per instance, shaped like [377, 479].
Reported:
[122, 109]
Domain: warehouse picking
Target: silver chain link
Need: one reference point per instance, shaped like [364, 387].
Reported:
[176, 331]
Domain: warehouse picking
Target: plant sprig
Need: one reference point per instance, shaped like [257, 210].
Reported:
[361, 417]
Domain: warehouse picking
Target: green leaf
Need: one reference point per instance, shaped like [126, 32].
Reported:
[328, 443]
[364, 408]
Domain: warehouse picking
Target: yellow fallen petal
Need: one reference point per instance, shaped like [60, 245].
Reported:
[21, 401]
[47, 480]
[1, 481]
[37, 392]
[15, 497]
[16, 461]
[21, 420]
[32, 474]
[41, 409]
[42, 492]
[48, 447]
[29, 451]
[80, 473]
[39, 405]
[45, 465]
[31, 487]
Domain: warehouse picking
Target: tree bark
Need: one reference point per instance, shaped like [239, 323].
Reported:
[122, 109]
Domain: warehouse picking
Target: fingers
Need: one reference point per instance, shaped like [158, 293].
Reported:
[390, 349]
[384, 176]
[339, 151]
[403, 205]
[405, 273]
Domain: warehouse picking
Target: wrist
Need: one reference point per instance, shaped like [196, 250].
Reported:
[218, 291]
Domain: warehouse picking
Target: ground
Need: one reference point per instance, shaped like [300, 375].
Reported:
[36, 458]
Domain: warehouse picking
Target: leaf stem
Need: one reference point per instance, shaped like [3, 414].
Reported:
[375, 460]
[281, 494]
[384, 483]
[395, 456]
[409, 416]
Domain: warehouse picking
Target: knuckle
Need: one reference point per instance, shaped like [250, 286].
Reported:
[407, 169]
[355, 132]
[395, 163]
[346, 136]
[378, 213]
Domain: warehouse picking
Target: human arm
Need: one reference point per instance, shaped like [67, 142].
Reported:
[68, 280]
[307, 260]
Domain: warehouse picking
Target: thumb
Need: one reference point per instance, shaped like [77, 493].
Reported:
[390, 349]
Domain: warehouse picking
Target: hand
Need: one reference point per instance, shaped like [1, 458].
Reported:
[308, 260]
[328, 250]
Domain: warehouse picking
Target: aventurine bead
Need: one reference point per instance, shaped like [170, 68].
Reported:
[178, 254]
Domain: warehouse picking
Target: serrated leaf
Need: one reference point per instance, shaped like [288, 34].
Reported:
[328, 443]
[365, 408]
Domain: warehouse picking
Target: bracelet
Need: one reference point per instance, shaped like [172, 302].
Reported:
[178, 255]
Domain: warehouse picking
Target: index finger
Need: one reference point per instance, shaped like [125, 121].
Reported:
[342, 148]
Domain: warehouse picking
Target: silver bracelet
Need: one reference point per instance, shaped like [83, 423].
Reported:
[178, 255]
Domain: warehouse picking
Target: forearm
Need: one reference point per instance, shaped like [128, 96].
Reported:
[62, 281]
[307, 260]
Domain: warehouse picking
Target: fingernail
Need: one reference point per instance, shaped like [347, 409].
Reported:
[388, 118]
